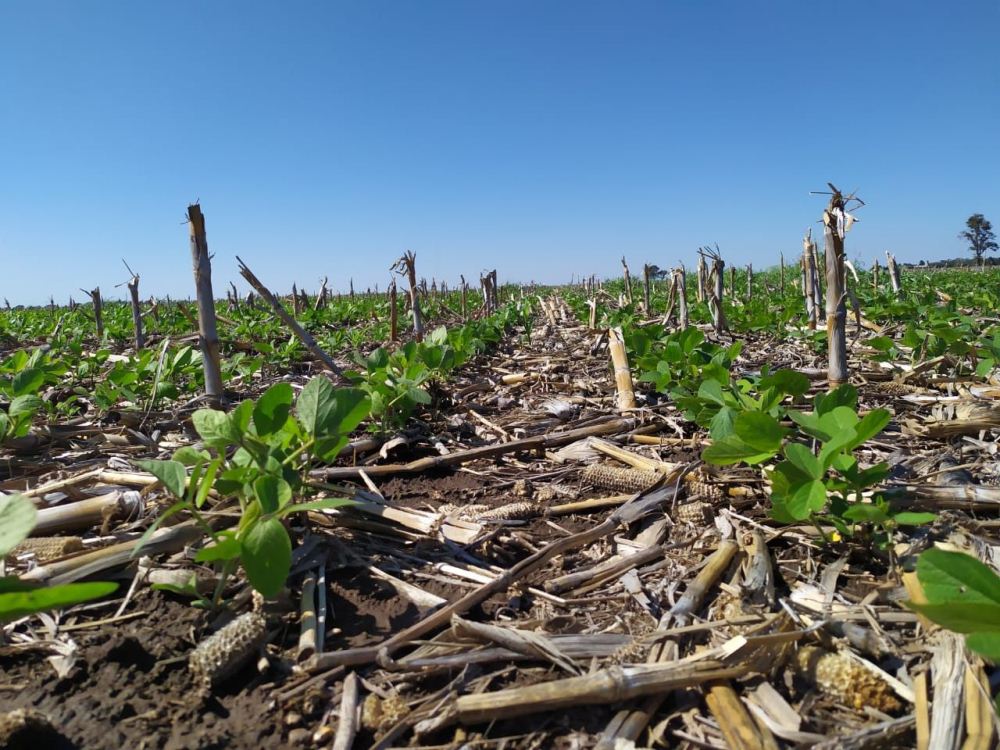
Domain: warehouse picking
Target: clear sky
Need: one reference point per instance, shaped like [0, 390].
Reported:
[544, 138]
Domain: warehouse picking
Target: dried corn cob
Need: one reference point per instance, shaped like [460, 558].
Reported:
[623, 480]
[697, 513]
[46, 548]
[381, 714]
[634, 652]
[223, 653]
[845, 679]
[705, 490]
[699, 484]
[509, 512]
[893, 388]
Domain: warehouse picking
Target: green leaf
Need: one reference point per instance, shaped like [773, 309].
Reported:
[810, 424]
[976, 617]
[26, 405]
[315, 405]
[911, 518]
[171, 473]
[787, 381]
[267, 556]
[722, 423]
[272, 492]
[863, 513]
[190, 456]
[803, 458]
[806, 499]
[845, 463]
[418, 395]
[27, 381]
[779, 511]
[840, 419]
[873, 474]
[953, 577]
[881, 343]
[206, 483]
[9, 584]
[845, 395]
[271, 411]
[239, 420]
[985, 367]
[327, 449]
[731, 450]
[332, 502]
[986, 644]
[17, 519]
[189, 588]
[711, 390]
[870, 425]
[227, 547]
[214, 428]
[22, 603]
[760, 431]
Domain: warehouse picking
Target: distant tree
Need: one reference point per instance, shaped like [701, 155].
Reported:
[980, 237]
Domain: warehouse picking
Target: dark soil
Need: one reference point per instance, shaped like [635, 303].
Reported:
[128, 691]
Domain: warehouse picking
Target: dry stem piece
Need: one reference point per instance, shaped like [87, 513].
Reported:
[302, 334]
[208, 335]
[623, 376]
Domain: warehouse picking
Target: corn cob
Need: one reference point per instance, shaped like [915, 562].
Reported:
[623, 480]
[696, 513]
[893, 388]
[509, 512]
[699, 484]
[631, 653]
[845, 679]
[381, 714]
[221, 654]
[705, 490]
[46, 548]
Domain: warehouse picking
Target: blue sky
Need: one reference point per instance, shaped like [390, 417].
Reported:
[541, 138]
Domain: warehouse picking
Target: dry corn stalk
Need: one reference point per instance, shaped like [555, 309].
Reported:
[604, 687]
[698, 589]
[630, 458]
[307, 619]
[738, 727]
[623, 376]
[83, 514]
